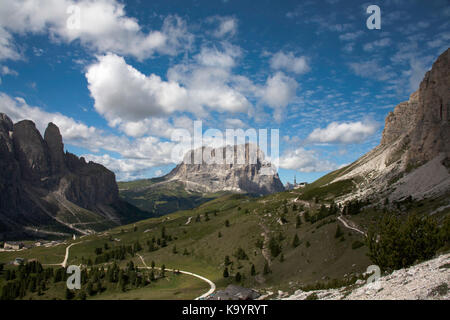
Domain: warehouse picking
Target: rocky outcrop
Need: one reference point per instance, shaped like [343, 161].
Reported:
[429, 280]
[55, 145]
[91, 176]
[414, 154]
[423, 122]
[10, 175]
[31, 152]
[41, 185]
[245, 171]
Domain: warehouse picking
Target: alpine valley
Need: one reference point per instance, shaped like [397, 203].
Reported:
[228, 232]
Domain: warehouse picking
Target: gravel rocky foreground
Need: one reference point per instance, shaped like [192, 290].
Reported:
[429, 280]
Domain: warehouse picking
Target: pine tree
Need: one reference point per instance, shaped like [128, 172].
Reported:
[227, 223]
[274, 247]
[298, 221]
[90, 289]
[296, 241]
[82, 295]
[253, 270]
[266, 268]
[225, 273]
[69, 294]
[238, 277]
[307, 217]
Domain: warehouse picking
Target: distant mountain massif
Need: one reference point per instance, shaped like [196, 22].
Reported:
[189, 185]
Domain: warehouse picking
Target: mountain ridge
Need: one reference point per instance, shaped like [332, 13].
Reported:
[413, 157]
[43, 188]
[247, 172]
[189, 185]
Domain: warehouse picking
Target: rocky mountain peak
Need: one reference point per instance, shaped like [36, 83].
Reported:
[38, 180]
[413, 158]
[423, 122]
[6, 128]
[5, 123]
[55, 145]
[242, 169]
[31, 151]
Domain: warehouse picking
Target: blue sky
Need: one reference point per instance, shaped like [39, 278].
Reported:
[118, 77]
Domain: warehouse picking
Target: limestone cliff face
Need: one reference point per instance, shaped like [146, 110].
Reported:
[92, 177]
[423, 121]
[39, 182]
[31, 152]
[250, 174]
[55, 145]
[413, 157]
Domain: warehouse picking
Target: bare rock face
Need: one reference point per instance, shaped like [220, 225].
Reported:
[428, 280]
[413, 158]
[10, 193]
[249, 174]
[92, 177]
[55, 145]
[31, 152]
[423, 122]
[38, 180]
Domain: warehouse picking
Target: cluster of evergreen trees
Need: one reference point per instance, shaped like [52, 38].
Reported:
[323, 212]
[116, 253]
[32, 277]
[397, 242]
[353, 207]
[275, 247]
[28, 277]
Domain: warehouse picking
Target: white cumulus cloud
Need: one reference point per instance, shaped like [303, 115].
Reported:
[344, 133]
[289, 62]
[303, 160]
[134, 156]
[123, 93]
[101, 26]
[227, 26]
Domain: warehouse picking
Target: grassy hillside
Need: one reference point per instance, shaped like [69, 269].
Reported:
[255, 232]
[160, 198]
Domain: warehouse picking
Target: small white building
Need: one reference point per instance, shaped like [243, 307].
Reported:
[13, 245]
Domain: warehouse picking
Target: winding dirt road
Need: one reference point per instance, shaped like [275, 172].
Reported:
[66, 257]
[211, 284]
